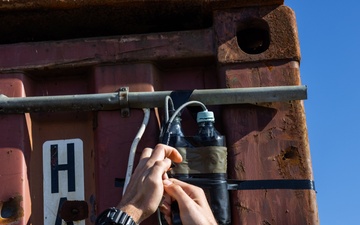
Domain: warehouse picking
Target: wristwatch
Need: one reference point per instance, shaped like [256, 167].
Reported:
[114, 216]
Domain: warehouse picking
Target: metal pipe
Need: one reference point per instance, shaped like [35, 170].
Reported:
[124, 99]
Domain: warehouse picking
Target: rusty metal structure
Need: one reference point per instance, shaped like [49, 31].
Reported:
[94, 48]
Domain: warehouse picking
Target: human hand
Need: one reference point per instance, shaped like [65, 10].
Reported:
[193, 205]
[145, 190]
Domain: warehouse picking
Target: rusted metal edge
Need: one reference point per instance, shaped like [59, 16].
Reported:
[11, 5]
[112, 101]
[116, 49]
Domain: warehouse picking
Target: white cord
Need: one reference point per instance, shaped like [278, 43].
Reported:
[167, 101]
[184, 105]
[134, 146]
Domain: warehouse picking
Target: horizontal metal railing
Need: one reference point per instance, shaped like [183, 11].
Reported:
[125, 99]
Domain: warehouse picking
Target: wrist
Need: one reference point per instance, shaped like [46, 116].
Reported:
[114, 216]
[132, 211]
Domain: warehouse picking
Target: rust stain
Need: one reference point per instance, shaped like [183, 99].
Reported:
[74, 211]
[239, 166]
[243, 208]
[270, 68]
[11, 210]
[290, 162]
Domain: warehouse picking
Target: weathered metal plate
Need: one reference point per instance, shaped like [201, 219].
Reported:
[15, 153]
[170, 4]
[265, 141]
[41, 20]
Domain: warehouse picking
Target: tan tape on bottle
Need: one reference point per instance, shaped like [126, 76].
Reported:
[209, 159]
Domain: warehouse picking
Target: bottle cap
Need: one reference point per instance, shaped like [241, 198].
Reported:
[205, 116]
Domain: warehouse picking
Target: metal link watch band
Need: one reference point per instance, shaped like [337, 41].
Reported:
[114, 216]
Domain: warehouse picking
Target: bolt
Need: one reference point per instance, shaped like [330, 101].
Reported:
[75, 211]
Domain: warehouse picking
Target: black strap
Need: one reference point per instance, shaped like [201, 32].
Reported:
[271, 184]
[258, 184]
[180, 97]
[119, 182]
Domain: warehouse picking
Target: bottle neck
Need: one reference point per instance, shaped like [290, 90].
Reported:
[207, 129]
[206, 124]
[175, 128]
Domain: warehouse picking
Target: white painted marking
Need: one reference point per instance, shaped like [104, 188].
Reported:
[66, 189]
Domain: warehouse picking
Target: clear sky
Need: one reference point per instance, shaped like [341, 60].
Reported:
[329, 33]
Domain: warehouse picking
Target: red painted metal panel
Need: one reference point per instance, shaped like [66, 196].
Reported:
[15, 151]
[265, 141]
[114, 134]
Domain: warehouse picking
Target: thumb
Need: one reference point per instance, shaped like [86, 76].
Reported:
[176, 192]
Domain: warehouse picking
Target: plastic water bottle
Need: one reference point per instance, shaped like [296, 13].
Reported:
[207, 134]
[214, 143]
[175, 133]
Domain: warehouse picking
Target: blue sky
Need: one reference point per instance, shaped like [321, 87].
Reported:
[329, 34]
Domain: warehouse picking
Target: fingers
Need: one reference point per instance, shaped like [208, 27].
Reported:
[159, 169]
[154, 163]
[146, 153]
[192, 202]
[160, 152]
[150, 156]
[177, 192]
[165, 206]
[193, 192]
[163, 151]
